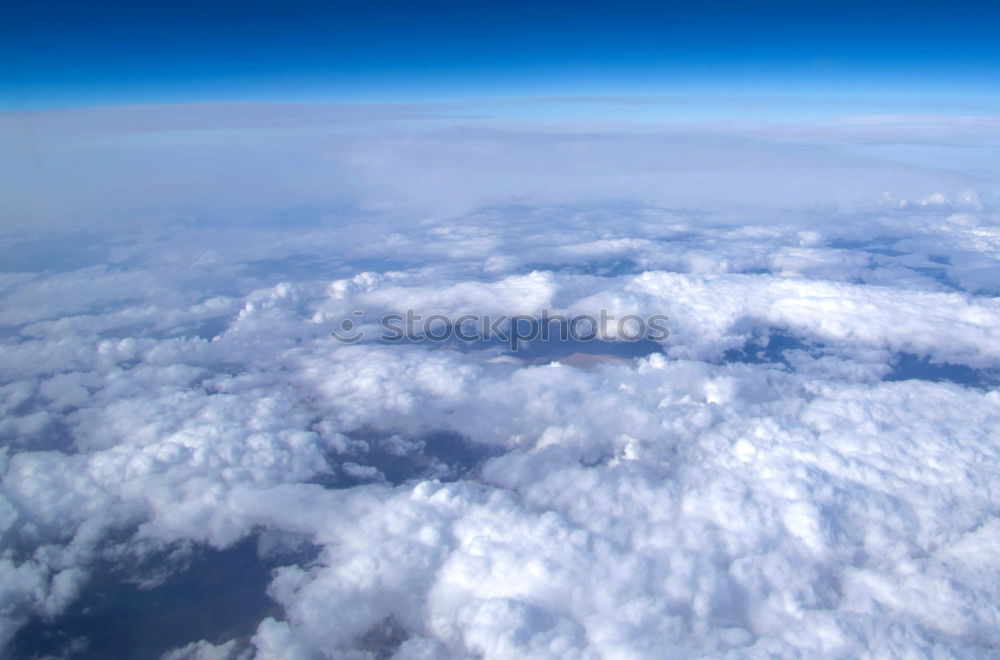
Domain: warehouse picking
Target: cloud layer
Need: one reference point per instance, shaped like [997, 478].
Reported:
[806, 467]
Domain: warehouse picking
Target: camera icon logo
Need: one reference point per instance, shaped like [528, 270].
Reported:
[349, 329]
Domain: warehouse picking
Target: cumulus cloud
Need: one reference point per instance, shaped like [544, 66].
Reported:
[805, 467]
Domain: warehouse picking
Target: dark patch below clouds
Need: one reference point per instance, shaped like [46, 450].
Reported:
[909, 366]
[216, 595]
[396, 458]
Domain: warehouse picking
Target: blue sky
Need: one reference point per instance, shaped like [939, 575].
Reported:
[916, 57]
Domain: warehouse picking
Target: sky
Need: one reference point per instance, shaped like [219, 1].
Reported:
[60, 54]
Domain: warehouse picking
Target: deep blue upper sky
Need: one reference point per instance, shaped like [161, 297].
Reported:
[72, 53]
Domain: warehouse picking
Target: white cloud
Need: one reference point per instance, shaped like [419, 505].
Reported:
[728, 497]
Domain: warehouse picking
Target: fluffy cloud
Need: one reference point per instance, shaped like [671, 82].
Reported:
[807, 466]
